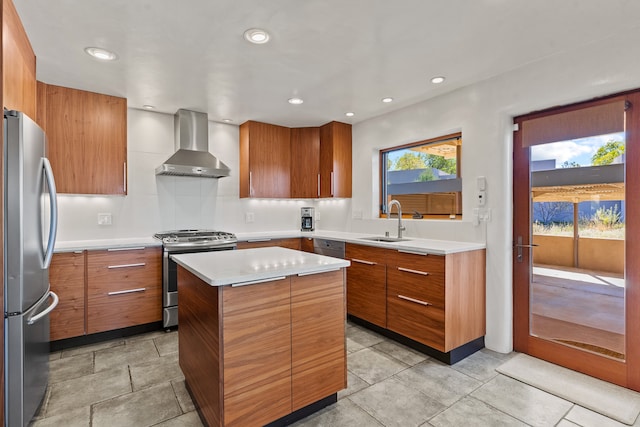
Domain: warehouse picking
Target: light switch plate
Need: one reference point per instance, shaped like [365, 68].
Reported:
[249, 217]
[104, 218]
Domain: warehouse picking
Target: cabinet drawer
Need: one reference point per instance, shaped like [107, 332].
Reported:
[124, 288]
[413, 284]
[432, 264]
[422, 323]
[361, 254]
[293, 243]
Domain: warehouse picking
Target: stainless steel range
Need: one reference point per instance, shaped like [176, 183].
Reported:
[182, 242]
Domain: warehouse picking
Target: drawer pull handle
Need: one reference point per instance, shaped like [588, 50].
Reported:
[139, 264]
[128, 291]
[136, 248]
[318, 272]
[258, 240]
[361, 261]
[254, 282]
[412, 252]
[408, 270]
[417, 301]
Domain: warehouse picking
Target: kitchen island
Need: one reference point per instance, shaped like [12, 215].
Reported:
[262, 333]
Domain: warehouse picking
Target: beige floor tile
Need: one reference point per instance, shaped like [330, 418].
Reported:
[373, 366]
[136, 352]
[83, 391]
[528, 404]
[80, 417]
[395, 404]
[141, 408]
[184, 398]
[155, 371]
[344, 413]
[462, 412]
[167, 343]
[190, 419]
[70, 367]
[439, 381]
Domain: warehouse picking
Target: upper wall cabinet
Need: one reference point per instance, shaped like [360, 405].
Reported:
[335, 160]
[301, 163]
[265, 160]
[87, 139]
[305, 163]
[18, 64]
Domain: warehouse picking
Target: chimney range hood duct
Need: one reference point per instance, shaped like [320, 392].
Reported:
[192, 157]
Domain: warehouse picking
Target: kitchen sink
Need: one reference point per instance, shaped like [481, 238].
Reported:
[383, 239]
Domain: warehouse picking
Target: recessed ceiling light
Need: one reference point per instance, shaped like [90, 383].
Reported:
[437, 80]
[148, 107]
[387, 100]
[256, 35]
[227, 120]
[101, 54]
[295, 101]
[350, 114]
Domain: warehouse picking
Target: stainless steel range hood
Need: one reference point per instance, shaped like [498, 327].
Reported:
[192, 157]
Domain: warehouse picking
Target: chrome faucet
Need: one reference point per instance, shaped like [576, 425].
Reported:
[400, 226]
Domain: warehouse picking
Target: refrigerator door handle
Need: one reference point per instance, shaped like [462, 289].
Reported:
[54, 304]
[53, 218]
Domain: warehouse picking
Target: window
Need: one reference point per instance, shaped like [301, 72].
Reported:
[424, 177]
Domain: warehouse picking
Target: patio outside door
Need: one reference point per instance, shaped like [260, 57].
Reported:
[576, 213]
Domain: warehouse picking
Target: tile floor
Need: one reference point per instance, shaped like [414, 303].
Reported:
[137, 382]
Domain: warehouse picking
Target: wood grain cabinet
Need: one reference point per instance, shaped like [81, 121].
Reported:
[437, 300]
[305, 163]
[253, 354]
[265, 160]
[335, 160]
[306, 244]
[124, 288]
[67, 279]
[87, 139]
[18, 64]
[292, 243]
[367, 283]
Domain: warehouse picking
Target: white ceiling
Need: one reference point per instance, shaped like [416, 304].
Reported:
[338, 55]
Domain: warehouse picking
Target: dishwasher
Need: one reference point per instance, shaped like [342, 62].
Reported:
[332, 248]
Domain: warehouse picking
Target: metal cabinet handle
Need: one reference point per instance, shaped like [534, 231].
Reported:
[361, 261]
[139, 264]
[408, 270]
[254, 282]
[258, 240]
[250, 185]
[124, 175]
[128, 291]
[135, 248]
[318, 272]
[417, 301]
[318, 185]
[332, 190]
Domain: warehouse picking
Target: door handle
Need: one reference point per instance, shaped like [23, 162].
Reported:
[48, 310]
[53, 214]
[519, 245]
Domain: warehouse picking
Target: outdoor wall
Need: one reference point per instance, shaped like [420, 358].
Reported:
[605, 255]
[553, 250]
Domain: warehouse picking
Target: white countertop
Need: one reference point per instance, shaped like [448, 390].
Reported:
[80, 245]
[415, 244]
[245, 266]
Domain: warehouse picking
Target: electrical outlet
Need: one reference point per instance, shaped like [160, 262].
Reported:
[249, 217]
[104, 218]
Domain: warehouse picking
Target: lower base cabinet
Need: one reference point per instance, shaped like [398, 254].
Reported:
[66, 276]
[256, 353]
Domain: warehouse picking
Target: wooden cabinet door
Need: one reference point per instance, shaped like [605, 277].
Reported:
[105, 142]
[18, 64]
[317, 337]
[335, 160]
[256, 331]
[305, 163]
[306, 244]
[66, 275]
[124, 288]
[87, 141]
[265, 160]
[416, 299]
[367, 283]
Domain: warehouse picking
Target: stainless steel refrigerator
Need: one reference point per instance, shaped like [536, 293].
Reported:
[30, 224]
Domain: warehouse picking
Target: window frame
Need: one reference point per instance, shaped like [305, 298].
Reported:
[442, 186]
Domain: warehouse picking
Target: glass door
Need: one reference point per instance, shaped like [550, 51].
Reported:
[574, 287]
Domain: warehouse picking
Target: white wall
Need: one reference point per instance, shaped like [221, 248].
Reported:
[483, 112]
